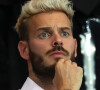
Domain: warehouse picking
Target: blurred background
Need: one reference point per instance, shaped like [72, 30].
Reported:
[13, 69]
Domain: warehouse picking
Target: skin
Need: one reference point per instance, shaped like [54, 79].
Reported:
[45, 29]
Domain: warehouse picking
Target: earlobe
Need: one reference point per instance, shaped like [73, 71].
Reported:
[75, 48]
[23, 49]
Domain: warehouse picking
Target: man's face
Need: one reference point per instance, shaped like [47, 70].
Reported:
[45, 29]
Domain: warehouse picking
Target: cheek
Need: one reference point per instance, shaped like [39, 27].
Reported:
[69, 45]
[38, 47]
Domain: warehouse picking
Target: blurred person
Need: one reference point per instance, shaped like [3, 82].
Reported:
[47, 43]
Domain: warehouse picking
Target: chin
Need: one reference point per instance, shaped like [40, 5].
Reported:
[52, 61]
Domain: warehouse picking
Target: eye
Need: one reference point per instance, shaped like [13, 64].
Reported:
[44, 35]
[64, 34]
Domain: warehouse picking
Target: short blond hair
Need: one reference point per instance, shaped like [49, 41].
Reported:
[33, 7]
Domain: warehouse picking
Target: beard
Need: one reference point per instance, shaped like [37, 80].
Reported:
[42, 70]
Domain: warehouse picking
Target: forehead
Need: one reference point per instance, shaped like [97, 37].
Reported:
[54, 19]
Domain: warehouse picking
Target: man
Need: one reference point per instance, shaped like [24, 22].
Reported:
[47, 43]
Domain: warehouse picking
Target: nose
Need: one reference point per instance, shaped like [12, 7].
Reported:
[57, 43]
[57, 40]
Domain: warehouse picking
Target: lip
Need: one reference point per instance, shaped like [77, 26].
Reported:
[57, 54]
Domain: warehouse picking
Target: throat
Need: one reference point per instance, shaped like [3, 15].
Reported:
[44, 82]
[47, 82]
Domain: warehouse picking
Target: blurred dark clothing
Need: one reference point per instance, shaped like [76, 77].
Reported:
[11, 70]
[8, 2]
[87, 7]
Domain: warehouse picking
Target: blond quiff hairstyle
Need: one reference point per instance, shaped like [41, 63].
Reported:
[33, 7]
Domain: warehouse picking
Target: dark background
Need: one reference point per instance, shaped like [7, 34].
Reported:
[13, 69]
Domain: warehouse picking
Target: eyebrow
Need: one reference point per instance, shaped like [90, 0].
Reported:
[44, 29]
[50, 28]
[65, 28]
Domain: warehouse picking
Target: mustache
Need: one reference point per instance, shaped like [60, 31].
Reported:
[58, 48]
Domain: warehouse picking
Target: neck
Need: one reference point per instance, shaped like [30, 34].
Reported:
[44, 82]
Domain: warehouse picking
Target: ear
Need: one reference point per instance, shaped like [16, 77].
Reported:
[23, 49]
[75, 47]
